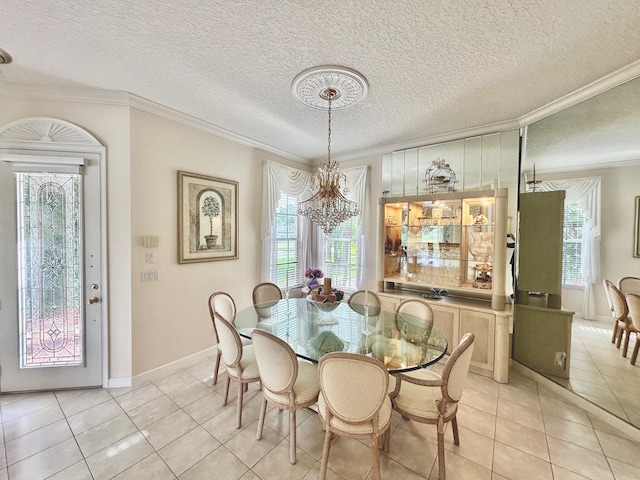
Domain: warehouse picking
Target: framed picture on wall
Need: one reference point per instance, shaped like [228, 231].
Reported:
[207, 218]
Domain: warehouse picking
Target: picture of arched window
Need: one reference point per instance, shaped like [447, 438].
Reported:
[210, 220]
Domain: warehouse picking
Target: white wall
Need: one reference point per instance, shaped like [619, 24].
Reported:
[170, 317]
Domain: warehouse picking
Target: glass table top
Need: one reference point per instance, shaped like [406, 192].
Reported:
[401, 342]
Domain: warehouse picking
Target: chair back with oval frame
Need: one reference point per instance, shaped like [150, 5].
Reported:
[354, 402]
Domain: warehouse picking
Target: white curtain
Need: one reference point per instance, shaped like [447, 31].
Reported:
[586, 192]
[293, 182]
[278, 178]
[359, 191]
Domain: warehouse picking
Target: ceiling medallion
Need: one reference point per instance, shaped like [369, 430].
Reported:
[351, 87]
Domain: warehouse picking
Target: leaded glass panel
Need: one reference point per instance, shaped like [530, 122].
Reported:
[50, 270]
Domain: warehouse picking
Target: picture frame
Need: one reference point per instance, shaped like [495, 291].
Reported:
[207, 218]
[636, 230]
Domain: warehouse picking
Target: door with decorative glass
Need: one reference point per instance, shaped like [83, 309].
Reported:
[51, 289]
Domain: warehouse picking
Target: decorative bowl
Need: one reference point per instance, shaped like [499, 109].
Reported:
[324, 306]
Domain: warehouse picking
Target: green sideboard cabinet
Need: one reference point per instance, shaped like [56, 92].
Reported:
[542, 328]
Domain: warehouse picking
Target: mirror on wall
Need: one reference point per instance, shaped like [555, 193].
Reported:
[594, 143]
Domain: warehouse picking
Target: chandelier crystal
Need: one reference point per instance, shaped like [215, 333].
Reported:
[328, 207]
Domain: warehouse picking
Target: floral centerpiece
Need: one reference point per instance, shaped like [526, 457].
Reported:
[313, 274]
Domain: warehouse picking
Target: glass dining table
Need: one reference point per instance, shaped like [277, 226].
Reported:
[313, 329]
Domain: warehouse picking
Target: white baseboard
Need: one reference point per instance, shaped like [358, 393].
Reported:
[153, 373]
[120, 382]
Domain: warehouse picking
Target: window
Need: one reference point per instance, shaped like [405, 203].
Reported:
[572, 245]
[340, 263]
[286, 249]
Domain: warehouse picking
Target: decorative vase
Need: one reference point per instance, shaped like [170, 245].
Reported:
[313, 283]
[482, 246]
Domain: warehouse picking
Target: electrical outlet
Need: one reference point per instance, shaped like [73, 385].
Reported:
[149, 276]
[151, 257]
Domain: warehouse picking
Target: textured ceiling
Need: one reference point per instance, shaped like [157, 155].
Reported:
[434, 67]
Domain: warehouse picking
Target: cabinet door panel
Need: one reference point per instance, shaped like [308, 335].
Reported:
[482, 325]
[388, 302]
[446, 320]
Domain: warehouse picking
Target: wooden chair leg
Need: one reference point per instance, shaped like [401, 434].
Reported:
[442, 474]
[626, 344]
[454, 427]
[239, 407]
[292, 437]
[263, 412]
[216, 367]
[375, 452]
[325, 455]
[620, 335]
[615, 332]
[226, 390]
[636, 347]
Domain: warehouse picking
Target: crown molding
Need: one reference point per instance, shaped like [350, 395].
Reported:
[126, 99]
[149, 106]
[67, 94]
[601, 85]
[426, 141]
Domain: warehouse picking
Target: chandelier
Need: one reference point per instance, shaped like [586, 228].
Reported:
[339, 88]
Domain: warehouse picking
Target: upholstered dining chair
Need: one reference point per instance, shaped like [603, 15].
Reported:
[633, 304]
[605, 284]
[222, 303]
[266, 292]
[239, 361]
[361, 297]
[426, 397]
[629, 285]
[288, 383]
[621, 312]
[354, 402]
[413, 310]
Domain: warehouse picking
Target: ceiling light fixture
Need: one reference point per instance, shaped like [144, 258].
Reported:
[334, 88]
[4, 57]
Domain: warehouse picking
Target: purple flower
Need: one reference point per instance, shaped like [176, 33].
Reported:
[313, 273]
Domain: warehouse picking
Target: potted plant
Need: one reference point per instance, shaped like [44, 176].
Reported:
[211, 208]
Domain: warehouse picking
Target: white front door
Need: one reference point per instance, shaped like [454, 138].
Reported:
[50, 287]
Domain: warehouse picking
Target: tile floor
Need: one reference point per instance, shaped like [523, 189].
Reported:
[174, 426]
[600, 373]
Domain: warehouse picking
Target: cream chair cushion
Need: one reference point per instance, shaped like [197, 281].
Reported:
[422, 401]
[359, 428]
[305, 388]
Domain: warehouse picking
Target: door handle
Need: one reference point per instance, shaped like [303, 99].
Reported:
[93, 300]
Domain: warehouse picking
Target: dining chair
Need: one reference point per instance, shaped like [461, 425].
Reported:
[633, 304]
[288, 383]
[222, 303]
[413, 314]
[354, 403]
[426, 397]
[629, 285]
[239, 361]
[361, 297]
[605, 284]
[266, 292]
[621, 312]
